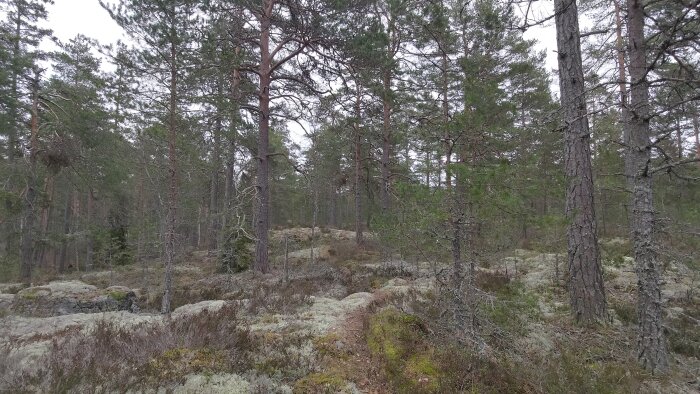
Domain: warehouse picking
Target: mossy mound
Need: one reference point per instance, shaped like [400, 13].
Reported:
[399, 341]
[320, 383]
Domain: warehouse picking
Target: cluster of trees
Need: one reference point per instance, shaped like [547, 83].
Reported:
[430, 123]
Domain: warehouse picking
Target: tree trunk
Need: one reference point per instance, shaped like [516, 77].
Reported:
[358, 167]
[653, 353]
[386, 143]
[89, 208]
[67, 214]
[587, 295]
[696, 130]
[622, 84]
[170, 220]
[27, 244]
[446, 119]
[263, 187]
[44, 216]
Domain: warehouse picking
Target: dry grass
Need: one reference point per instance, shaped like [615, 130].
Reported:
[113, 358]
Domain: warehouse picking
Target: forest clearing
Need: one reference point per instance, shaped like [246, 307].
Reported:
[375, 196]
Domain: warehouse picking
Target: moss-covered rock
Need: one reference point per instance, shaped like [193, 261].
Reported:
[320, 383]
[399, 341]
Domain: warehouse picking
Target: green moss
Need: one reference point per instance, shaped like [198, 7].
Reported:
[118, 295]
[330, 345]
[32, 293]
[320, 383]
[398, 340]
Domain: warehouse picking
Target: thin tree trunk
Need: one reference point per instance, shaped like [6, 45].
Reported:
[587, 295]
[358, 167]
[67, 214]
[696, 130]
[27, 244]
[622, 84]
[44, 216]
[170, 221]
[446, 119]
[263, 187]
[88, 220]
[386, 143]
[652, 347]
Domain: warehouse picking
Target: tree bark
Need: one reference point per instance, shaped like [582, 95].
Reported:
[587, 295]
[263, 181]
[652, 348]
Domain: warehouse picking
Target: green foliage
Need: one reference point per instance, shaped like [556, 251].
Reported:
[236, 254]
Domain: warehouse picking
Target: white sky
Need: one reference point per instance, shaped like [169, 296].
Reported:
[69, 18]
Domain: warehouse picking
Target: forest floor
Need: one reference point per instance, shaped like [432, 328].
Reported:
[351, 322]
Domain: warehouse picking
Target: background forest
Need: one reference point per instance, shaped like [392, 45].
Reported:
[428, 128]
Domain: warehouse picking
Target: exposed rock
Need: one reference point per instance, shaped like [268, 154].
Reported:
[6, 302]
[70, 297]
[321, 253]
[318, 318]
[214, 384]
[194, 309]
[303, 234]
[11, 288]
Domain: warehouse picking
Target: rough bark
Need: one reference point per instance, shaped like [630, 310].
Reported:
[587, 295]
[652, 347]
[263, 181]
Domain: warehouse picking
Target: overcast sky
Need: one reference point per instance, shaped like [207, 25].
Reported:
[68, 18]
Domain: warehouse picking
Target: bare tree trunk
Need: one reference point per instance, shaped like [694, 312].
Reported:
[67, 214]
[358, 167]
[653, 352]
[587, 295]
[263, 181]
[214, 214]
[622, 84]
[40, 251]
[170, 221]
[89, 208]
[386, 143]
[446, 119]
[333, 206]
[27, 244]
[696, 130]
